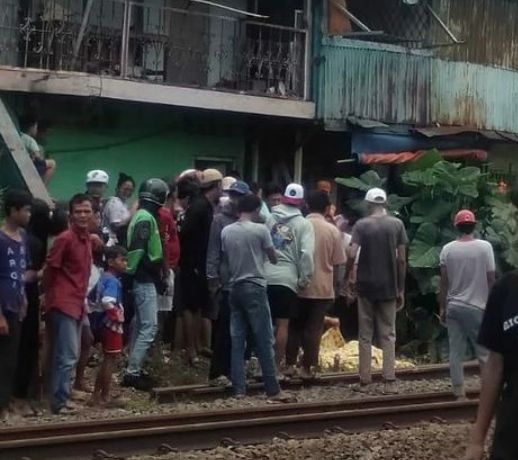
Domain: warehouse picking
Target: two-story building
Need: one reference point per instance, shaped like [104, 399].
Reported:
[153, 87]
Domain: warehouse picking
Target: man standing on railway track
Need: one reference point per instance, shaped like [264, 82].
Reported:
[145, 265]
[294, 241]
[65, 283]
[218, 277]
[467, 275]
[245, 245]
[317, 298]
[380, 284]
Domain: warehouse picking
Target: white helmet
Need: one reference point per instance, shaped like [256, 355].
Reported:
[97, 176]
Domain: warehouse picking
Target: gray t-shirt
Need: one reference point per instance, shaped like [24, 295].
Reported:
[379, 238]
[467, 264]
[244, 247]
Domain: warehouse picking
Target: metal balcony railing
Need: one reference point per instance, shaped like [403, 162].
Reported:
[199, 47]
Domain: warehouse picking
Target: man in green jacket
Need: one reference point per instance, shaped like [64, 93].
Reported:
[145, 266]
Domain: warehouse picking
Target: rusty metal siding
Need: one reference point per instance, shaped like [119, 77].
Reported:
[489, 28]
[379, 82]
[474, 95]
[388, 84]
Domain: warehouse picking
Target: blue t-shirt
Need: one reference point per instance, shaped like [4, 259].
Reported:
[107, 291]
[13, 263]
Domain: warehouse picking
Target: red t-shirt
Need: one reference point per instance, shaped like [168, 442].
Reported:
[67, 272]
[169, 237]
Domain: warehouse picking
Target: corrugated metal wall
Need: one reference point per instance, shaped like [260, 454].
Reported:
[488, 27]
[474, 95]
[370, 81]
[393, 85]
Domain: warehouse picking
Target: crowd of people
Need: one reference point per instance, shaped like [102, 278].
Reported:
[225, 270]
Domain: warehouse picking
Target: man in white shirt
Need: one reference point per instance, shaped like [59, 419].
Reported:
[467, 275]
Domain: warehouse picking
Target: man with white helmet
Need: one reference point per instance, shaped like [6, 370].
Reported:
[96, 185]
[380, 284]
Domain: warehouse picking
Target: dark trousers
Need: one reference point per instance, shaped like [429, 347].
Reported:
[28, 351]
[8, 358]
[348, 316]
[306, 331]
[222, 345]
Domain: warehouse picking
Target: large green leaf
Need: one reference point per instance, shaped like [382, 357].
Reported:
[511, 257]
[424, 178]
[365, 182]
[433, 211]
[426, 161]
[395, 202]
[424, 249]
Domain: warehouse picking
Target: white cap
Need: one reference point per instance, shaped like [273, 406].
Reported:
[294, 195]
[97, 176]
[376, 196]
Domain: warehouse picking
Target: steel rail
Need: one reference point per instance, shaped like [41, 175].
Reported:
[207, 392]
[81, 440]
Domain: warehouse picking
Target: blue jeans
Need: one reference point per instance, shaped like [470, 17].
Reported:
[463, 327]
[144, 325]
[65, 338]
[250, 310]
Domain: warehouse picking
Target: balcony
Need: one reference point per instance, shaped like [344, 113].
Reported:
[204, 47]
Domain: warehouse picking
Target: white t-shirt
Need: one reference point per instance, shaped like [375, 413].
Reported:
[114, 212]
[467, 264]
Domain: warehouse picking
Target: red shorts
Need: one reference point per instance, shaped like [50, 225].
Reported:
[111, 341]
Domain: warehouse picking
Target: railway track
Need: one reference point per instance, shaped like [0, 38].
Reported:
[207, 392]
[117, 438]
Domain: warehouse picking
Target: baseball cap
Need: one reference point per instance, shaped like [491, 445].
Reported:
[227, 182]
[376, 195]
[294, 195]
[239, 188]
[208, 176]
[97, 176]
[464, 216]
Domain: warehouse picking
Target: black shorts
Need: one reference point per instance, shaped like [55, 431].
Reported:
[194, 291]
[283, 302]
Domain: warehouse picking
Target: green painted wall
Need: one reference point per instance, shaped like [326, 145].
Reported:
[142, 140]
[136, 152]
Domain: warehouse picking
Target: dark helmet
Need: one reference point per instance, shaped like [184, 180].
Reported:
[154, 191]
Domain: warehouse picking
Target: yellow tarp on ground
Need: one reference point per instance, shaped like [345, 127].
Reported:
[340, 356]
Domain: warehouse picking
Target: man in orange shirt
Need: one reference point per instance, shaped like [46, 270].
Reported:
[318, 297]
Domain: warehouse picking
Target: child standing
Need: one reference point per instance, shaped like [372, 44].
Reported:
[13, 302]
[108, 320]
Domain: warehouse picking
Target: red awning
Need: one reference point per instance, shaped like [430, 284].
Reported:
[407, 157]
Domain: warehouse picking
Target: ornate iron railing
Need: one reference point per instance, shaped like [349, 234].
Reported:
[199, 47]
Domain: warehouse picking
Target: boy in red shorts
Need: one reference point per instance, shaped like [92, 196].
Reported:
[107, 321]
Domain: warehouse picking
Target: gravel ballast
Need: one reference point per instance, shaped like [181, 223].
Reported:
[430, 441]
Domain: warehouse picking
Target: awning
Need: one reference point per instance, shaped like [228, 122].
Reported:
[442, 131]
[407, 157]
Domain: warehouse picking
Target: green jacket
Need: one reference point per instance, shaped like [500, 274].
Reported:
[143, 244]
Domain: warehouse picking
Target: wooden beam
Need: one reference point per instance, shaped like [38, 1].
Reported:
[21, 158]
[81, 84]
